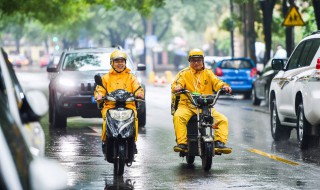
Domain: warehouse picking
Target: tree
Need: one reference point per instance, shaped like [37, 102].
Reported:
[316, 7]
[267, 12]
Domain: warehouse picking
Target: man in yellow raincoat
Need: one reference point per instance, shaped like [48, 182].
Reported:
[196, 78]
[119, 77]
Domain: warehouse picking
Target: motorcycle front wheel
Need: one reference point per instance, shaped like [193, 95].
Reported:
[119, 162]
[207, 156]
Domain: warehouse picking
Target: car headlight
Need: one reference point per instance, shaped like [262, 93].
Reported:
[120, 115]
[64, 82]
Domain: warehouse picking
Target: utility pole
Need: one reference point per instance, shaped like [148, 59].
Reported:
[289, 29]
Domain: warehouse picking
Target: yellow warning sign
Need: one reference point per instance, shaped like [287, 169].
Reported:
[293, 18]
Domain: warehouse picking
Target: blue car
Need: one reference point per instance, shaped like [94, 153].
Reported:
[239, 73]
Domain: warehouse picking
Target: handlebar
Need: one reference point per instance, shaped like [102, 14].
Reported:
[216, 96]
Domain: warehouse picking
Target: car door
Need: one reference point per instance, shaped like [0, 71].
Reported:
[286, 82]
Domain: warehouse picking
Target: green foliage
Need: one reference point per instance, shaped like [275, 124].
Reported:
[228, 24]
[310, 21]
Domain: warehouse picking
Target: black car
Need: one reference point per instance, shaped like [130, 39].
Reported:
[21, 167]
[72, 84]
[261, 86]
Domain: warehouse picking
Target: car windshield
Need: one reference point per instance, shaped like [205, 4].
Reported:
[89, 61]
[236, 64]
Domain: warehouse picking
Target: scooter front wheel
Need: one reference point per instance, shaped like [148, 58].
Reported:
[190, 159]
[207, 157]
[119, 163]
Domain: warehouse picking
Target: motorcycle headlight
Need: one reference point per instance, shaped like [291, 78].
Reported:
[120, 115]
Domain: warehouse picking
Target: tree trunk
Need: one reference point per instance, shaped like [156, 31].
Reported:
[267, 11]
[251, 31]
[316, 7]
[244, 8]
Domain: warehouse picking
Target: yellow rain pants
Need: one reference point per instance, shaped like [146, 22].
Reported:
[184, 113]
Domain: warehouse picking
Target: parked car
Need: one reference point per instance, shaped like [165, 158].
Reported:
[295, 94]
[239, 73]
[18, 60]
[72, 84]
[261, 86]
[211, 61]
[44, 60]
[22, 163]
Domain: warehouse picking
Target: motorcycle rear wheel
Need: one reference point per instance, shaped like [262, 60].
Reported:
[207, 157]
[119, 162]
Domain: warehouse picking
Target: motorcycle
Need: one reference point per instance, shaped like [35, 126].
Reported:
[199, 129]
[120, 125]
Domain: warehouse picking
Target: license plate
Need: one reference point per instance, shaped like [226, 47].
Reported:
[93, 100]
[236, 82]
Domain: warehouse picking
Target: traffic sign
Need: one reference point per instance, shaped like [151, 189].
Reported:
[293, 18]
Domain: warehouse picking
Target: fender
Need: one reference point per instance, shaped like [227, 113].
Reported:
[207, 139]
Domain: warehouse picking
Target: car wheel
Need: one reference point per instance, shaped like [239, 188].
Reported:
[278, 131]
[58, 121]
[302, 127]
[142, 114]
[255, 101]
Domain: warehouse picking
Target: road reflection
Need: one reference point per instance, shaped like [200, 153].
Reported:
[291, 149]
[119, 183]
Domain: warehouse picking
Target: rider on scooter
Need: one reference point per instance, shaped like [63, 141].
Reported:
[197, 79]
[119, 77]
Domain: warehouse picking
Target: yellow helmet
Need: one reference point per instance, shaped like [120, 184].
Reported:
[117, 54]
[195, 53]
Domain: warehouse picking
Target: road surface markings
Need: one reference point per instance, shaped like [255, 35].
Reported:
[273, 157]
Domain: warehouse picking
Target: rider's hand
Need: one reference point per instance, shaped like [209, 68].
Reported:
[140, 96]
[215, 126]
[177, 88]
[99, 97]
[227, 88]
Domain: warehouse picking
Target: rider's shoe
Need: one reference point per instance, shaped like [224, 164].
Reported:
[180, 148]
[220, 147]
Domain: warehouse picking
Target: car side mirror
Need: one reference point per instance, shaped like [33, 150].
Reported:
[277, 64]
[98, 80]
[52, 68]
[35, 106]
[141, 67]
[259, 73]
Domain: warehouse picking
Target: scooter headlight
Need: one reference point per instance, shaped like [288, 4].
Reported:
[120, 115]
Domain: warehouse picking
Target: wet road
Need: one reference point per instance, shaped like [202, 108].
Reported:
[257, 162]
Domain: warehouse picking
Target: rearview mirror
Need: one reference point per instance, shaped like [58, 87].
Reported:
[98, 80]
[52, 69]
[141, 67]
[37, 102]
[277, 64]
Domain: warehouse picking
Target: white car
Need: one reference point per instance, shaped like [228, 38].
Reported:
[294, 96]
[22, 161]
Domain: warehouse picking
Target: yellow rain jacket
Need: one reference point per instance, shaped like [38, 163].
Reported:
[113, 81]
[203, 82]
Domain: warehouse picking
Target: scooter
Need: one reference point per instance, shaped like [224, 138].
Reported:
[120, 126]
[199, 129]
